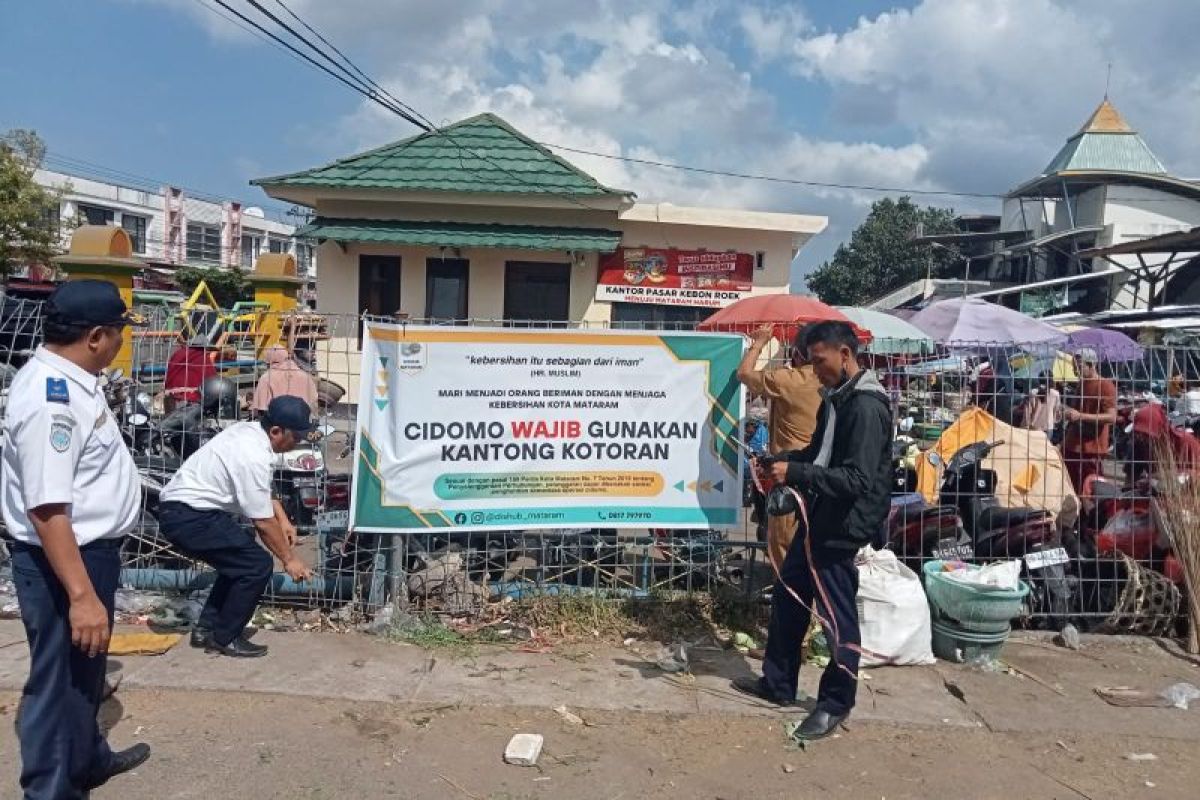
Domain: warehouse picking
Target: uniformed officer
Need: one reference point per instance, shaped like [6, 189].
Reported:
[70, 493]
[200, 510]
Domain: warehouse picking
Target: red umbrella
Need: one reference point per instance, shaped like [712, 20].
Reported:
[787, 313]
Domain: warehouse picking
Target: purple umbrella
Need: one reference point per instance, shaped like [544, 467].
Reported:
[971, 321]
[1109, 345]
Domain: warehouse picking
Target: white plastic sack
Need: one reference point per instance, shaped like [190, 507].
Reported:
[998, 575]
[893, 614]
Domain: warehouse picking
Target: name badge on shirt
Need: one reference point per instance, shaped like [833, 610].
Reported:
[56, 391]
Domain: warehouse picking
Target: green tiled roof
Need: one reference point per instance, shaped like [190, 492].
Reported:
[1110, 152]
[462, 234]
[1108, 143]
[482, 154]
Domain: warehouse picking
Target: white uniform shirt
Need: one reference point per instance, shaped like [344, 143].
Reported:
[63, 446]
[231, 472]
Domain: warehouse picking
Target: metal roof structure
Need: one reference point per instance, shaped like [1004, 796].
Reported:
[1108, 143]
[462, 234]
[479, 155]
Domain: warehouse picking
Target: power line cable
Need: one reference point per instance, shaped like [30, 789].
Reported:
[345, 58]
[338, 77]
[368, 86]
[143, 183]
[383, 97]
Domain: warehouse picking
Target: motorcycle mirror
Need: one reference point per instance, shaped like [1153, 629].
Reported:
[934, 458]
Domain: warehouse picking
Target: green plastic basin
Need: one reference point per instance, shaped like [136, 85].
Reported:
[973, 608]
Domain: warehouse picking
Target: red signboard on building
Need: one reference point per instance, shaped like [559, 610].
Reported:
[675, 277]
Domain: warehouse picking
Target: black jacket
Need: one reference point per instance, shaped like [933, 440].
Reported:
[848, 500]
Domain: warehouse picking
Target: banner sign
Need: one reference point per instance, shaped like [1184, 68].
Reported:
[479, 429]
[675, 277]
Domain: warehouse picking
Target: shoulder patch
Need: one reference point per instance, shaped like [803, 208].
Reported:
[56, 391]
[60, 436]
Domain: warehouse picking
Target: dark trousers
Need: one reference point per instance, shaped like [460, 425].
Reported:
[790, 620]
[1080, 467]
[61, 744]
[243, 567]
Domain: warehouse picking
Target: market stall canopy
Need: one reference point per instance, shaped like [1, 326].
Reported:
[1112, 346]
[977, 323]
[787, 313]
[890, 335]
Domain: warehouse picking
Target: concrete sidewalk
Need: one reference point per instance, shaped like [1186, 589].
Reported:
[1055, 691]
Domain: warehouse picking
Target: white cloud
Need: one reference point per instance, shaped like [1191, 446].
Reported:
[773, 32]
[968, 95]
[1000, 85]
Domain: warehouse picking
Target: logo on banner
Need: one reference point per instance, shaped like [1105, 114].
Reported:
[412, 357]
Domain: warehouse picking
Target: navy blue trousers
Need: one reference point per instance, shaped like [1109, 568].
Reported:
[61, 744]
[243, 567]
[790, 620]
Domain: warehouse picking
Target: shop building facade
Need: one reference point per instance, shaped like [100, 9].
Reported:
[478, 222]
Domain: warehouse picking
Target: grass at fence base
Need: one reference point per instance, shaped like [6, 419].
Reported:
[566, 619]
[432, 633]
[663, 618]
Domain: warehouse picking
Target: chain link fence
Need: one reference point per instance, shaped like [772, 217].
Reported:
[987, 464]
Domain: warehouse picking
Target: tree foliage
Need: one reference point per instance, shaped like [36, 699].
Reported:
[227, 285]
[28, 234]
[880, 256]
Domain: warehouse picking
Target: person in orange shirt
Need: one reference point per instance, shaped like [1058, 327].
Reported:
[794, 394]
[1089, 417]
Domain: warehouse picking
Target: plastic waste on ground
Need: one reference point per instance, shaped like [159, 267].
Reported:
[1069, 637]
[1180, 695]
[673, 658]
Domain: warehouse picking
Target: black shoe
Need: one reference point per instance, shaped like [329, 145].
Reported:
[819, 724]
[238, 648]
[757, 687]
[202, 637]
[122, 761]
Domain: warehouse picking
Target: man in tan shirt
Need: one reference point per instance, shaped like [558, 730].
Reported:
[793, 392]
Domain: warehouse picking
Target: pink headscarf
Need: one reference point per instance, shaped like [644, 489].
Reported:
[284, 377]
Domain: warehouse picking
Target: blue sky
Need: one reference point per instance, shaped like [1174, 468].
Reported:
[957, 95]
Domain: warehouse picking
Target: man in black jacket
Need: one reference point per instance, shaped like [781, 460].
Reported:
[844, 476]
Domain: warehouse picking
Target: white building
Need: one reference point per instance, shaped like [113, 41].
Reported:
[479, 222]
[1105, 187]
[169, 228]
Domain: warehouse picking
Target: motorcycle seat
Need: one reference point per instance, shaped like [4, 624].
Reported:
[998, 517]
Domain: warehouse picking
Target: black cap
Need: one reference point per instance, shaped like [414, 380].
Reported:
[291, 413]
[90, 302]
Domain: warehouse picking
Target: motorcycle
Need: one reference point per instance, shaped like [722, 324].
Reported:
[1116, 519]
[997, 532]
[916, 531]
[131, 408]
[301, 481]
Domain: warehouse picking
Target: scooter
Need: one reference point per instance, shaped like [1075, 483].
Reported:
[916, 531]
[1028, 534]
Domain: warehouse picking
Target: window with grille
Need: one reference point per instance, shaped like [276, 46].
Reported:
[251, 247]
[135, 226]
[204, 243]
[95, 215]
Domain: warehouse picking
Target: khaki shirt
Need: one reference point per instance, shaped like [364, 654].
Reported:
[795, 398]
